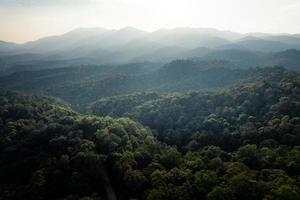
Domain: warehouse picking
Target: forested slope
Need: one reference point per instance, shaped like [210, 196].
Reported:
[251, 112]
[48, 151]
[83, 85]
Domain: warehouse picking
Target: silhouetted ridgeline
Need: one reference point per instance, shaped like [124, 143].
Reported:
[94, 46]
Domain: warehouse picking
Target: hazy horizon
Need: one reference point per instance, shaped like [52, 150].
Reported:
[147, 31]
[27, 20]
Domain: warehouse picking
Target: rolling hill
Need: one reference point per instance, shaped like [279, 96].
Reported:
[108, 46]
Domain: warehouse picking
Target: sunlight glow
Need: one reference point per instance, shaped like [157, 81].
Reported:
[30, 19]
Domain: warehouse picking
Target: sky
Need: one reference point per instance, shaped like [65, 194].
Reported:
[26, 20]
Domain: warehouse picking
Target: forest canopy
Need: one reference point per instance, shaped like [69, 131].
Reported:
[241, 143]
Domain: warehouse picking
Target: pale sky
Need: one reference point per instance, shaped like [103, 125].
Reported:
[25, 20]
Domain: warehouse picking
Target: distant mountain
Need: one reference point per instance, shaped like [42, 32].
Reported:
[242, 58]
[182, 31]
[288, 39]
[164, 54]
[289, 58]
[187, 38]
[7, 47]
[94, 38]
[257, 44]
[86, 46]
[197, 52]
[67, 41]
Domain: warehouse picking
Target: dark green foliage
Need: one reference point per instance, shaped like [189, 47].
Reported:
[83, 85]
[47, 151]
[249, 113]
[243, 143]
[122, 105]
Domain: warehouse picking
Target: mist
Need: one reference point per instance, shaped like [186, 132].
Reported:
[27, 20]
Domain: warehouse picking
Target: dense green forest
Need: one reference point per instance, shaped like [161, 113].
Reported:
[253, 107]
[237, 143]
[83, 85]
[116, 112]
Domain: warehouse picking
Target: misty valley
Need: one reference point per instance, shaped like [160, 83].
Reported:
[183, 113]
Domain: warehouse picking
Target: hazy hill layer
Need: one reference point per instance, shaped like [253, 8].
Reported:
[103, 46]
[85, 84]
